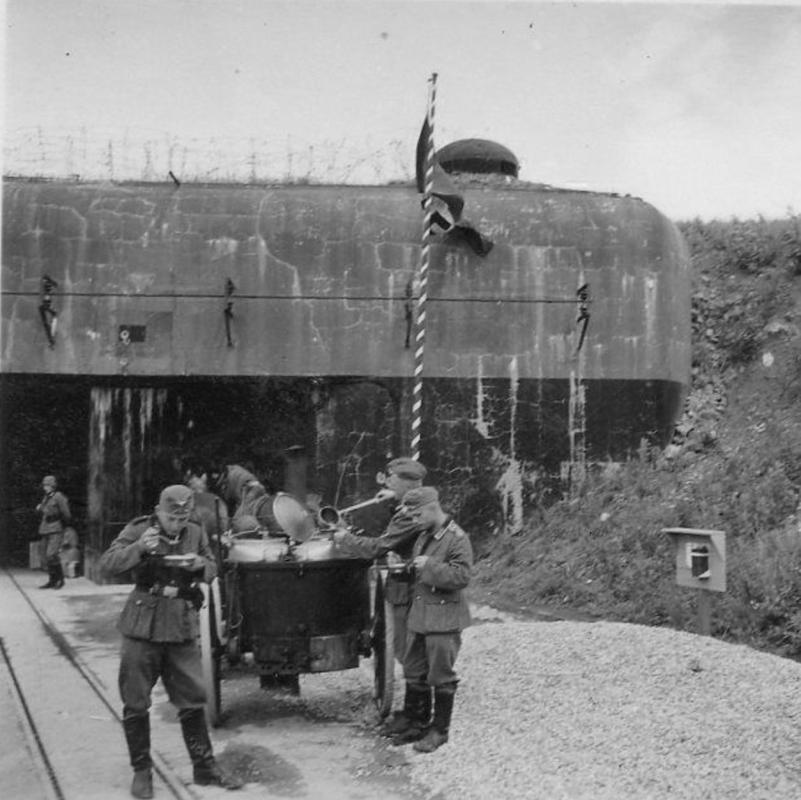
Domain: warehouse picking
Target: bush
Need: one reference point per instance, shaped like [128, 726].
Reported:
[739, 270]
[602, 552]
[763, 602]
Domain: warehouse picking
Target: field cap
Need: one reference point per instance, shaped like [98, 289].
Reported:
[415, 498]
[407, 468]
[49, 480]
[177, 499]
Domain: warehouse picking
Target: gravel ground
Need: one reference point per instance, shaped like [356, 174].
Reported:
[611, 711]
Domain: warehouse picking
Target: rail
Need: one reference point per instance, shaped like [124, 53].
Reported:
[171, 781]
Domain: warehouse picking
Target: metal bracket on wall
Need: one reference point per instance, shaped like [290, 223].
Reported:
[407, 311]
[47, 313]
[583, 319]
[229, 309]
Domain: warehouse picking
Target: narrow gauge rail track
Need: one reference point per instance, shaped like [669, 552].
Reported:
[53, 788]
[36, 748]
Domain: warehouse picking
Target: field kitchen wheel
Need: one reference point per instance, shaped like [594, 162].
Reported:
[383, 632]
[210, 652]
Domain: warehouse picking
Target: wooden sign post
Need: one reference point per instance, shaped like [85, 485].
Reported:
[701, 565]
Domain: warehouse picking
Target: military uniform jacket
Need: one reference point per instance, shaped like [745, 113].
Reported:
[237, 480]
[438, 601]
[55, 511]
[399, 536]
[149, 614]
[211, 513]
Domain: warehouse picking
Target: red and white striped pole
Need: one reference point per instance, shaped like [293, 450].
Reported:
[425, 254]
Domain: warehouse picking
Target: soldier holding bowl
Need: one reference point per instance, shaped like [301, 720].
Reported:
[169, 555]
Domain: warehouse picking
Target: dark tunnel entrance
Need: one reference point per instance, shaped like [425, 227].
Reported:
[113, 445]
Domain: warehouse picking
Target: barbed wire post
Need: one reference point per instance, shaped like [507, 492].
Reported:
[425, 255]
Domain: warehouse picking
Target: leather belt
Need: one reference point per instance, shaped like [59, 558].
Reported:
[162, 590]
[191, 593]
[165, 591]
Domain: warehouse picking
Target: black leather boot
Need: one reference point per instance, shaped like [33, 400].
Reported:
[142, 784]
[417, 704]
[400, 719]
[205, 770]
[51, 578]
[58, 575]
[137, 736]
[437, 734]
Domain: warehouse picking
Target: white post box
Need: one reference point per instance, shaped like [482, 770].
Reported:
[700, 564]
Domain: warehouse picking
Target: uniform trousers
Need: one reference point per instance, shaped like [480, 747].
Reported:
[142, 663]
[399, 614]
[430, 658]
[51, 546]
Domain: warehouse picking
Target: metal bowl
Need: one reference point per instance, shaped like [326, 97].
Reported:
[179, 560]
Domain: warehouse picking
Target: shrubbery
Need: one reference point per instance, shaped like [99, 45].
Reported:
[600, 550]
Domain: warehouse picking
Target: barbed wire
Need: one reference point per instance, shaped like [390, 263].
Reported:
[93, 155]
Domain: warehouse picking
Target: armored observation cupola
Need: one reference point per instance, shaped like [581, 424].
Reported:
[478, 156]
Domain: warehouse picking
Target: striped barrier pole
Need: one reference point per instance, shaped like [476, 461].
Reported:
[425, 254]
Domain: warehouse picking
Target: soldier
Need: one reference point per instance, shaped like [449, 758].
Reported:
[248, 496]
[442, 558]
[159, 626]
[55, 511]
[402, 475]
[210, 511]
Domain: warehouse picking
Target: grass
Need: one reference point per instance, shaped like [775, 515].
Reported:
[735, 465]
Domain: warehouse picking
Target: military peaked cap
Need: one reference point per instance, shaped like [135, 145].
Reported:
[177, 499]
[415, 498]
[407, 468]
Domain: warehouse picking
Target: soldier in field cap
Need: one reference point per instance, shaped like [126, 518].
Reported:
[402, 474]
[159, 627]
[176, 500]
[415, 499]
[442, 559]
[407, 469]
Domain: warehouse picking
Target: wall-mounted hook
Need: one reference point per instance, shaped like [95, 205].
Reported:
[228, 312]
[583, 319]
[408, 307]
[47, 313]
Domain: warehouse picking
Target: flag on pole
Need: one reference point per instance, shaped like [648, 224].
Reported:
[447, 201]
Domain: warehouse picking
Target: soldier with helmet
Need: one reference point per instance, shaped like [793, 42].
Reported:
[55, 511]
[442, 559]
[402, 475]
[159, 626]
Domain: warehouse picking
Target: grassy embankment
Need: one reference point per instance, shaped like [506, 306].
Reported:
[734, 465]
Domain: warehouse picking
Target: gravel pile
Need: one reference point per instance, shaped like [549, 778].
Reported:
[612, 711]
